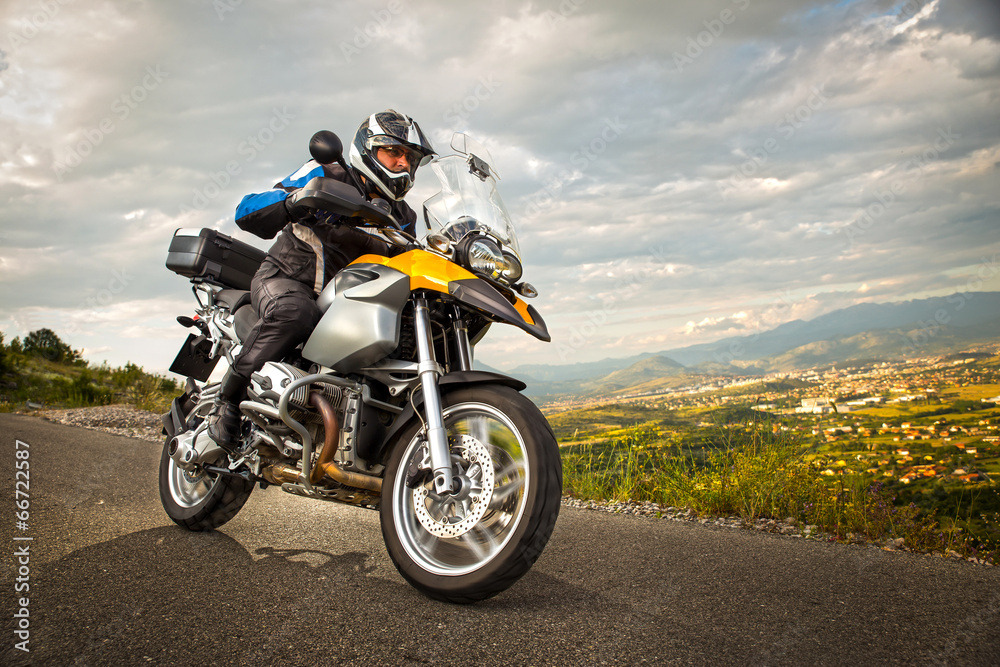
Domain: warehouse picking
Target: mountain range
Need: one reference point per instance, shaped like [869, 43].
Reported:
[862, 333]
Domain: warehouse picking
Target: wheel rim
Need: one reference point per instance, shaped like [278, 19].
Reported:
[455, 536]
[187, 489]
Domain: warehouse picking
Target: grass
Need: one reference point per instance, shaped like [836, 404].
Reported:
[72, 385]
[755, 473]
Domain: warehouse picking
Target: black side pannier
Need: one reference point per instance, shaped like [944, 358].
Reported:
[213, 257]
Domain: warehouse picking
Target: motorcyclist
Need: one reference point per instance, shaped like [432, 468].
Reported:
[386, 151]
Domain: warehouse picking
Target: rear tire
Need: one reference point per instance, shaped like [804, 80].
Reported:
[199, 501]
[468, 548]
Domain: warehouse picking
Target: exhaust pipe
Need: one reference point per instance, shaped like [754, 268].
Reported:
[325, 466]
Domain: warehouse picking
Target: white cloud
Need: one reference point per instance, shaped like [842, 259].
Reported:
[740, 178]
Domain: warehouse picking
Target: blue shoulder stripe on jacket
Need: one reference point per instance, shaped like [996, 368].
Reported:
[256, 202]
[306, 173]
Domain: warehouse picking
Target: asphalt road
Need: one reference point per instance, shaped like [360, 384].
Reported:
[300, 582]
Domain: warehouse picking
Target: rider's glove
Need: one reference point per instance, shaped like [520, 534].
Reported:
[295, 213]
[305, 215]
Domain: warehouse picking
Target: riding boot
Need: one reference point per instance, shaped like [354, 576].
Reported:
[224, 419]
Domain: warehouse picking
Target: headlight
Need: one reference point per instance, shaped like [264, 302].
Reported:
[512, 271]
[483, 256]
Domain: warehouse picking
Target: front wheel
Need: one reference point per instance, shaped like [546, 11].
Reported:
[473, 544]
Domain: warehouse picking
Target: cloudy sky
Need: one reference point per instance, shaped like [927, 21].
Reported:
[679, 171]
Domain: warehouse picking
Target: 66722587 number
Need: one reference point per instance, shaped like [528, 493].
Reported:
[22, 485]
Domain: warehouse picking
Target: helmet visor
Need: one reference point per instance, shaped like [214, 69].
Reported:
[389, 154]
[415, 153]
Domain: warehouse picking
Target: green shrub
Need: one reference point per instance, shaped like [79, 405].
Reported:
[45, 370]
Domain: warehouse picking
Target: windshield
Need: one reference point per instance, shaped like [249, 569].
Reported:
[468, 199]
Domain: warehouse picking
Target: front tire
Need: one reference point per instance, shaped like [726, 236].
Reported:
[471, 546]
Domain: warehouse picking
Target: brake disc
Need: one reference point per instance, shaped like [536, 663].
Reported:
[455, 515]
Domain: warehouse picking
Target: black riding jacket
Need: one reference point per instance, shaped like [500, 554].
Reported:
[314, 248]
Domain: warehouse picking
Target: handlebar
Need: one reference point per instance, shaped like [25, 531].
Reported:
[343, 199]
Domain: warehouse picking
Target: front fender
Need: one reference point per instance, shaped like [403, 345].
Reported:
[445, 383]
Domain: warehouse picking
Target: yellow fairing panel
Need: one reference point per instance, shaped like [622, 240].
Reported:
[430, 271]
[426, 270]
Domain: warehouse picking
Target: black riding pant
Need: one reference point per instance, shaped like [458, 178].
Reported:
[288, 313]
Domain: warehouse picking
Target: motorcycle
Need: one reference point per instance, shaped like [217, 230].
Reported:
[381, 407]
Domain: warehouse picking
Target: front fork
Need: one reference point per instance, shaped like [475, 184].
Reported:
[429, 371]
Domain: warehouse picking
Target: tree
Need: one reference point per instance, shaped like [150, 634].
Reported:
[45, 343]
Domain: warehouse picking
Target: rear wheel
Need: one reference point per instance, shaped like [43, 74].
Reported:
[198, 500]
[476, 543]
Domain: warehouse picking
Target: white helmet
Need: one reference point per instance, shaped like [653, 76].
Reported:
[389, 128]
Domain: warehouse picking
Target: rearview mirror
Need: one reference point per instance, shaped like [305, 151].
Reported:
[326, 147]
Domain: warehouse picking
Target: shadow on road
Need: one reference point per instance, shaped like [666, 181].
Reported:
[164, 591]
[170, 596]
